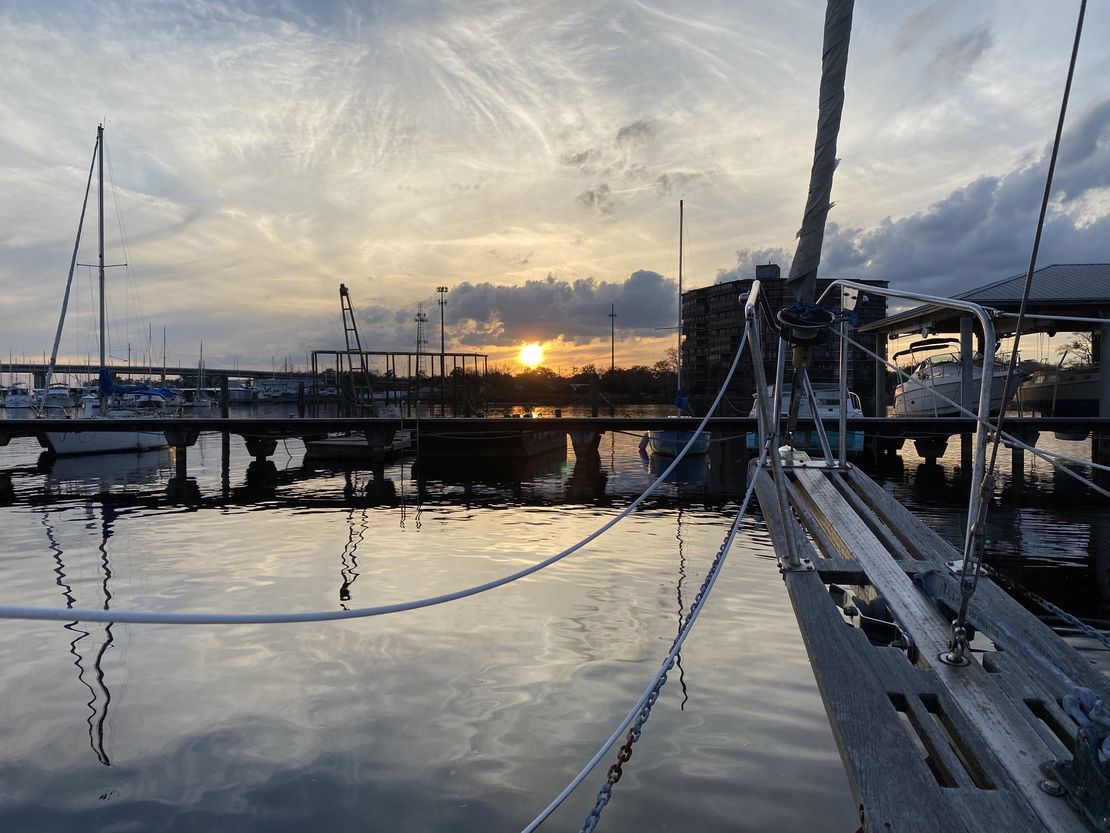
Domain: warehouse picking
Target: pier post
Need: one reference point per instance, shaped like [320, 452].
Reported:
[931, 448]
[1100, 440]
[880, 376]
[260, 447]
[967, 381]
[595, 396]
[586, 443]
[181, 487]
[225, 399]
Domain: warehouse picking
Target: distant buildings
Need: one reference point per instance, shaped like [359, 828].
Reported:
[713, 321]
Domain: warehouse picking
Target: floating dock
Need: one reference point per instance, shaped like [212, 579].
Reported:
[929, 746]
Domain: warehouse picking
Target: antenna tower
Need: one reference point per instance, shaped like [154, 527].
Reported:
[421, 319]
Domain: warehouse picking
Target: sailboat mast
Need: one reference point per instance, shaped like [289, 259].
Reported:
[100, 245]
[678, 356]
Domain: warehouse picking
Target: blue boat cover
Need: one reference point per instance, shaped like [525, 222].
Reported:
[108, 386]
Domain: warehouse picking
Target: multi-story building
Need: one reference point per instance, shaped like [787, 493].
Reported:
[713, 321]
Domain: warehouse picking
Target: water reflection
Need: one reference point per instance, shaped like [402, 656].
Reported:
[94, 637]
[348, 559]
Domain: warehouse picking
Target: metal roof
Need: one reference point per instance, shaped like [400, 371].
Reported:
[1061, 289]
[1059, 283]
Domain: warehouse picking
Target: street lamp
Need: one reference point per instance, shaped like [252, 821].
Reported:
[442, 290]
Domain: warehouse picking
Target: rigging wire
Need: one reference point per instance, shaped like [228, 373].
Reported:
[1029, 274]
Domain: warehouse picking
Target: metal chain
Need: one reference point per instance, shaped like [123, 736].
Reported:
[634, 732]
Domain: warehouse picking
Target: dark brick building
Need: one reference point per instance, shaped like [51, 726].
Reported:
[713, 321]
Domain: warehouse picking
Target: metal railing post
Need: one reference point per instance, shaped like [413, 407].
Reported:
[792, 561]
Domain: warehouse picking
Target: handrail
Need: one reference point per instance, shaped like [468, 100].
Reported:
[979, 458]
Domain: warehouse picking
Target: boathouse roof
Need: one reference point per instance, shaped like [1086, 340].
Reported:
[1066, 289]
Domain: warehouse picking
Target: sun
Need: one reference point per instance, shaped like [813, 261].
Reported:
[531, 355]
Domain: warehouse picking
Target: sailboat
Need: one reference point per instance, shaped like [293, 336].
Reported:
[84, 439]
[670, 442]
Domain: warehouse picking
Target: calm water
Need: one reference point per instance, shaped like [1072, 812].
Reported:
[468, 716]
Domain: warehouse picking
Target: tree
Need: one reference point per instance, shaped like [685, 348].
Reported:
[1082, 347]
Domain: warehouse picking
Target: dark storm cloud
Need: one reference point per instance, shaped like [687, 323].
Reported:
[578, 311]
[956, 56]
[982, 231]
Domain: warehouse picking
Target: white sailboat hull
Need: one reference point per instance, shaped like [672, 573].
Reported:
[103, 442]
[670, 443]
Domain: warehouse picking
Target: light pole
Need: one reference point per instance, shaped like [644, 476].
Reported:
[442, 290]
[612, 337]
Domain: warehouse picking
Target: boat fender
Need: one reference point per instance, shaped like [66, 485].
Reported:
[644, 440]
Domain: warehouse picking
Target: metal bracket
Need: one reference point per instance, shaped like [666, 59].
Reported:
[1085, 782]
[804, 566]
[955, 567]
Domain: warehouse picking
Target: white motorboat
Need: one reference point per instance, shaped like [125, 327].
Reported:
[1065, 391]
[828, 411]
[17, 396]
[938, 378]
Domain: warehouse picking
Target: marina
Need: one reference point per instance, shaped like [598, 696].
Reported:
[381, 591]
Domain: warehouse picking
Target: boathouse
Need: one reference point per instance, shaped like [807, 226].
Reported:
[1063, 298]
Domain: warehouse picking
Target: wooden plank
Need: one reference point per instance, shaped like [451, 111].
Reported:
[826, 556]
[915, 536]
[992, 610]
[889, 777]
[1050, 721]
[1015, 630]
[896, 789]
[885, 533]
[1016, 744]
[986, 799]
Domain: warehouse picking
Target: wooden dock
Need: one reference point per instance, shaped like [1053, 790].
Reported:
[927, 746]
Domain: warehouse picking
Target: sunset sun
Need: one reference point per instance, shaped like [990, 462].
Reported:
[531, 355]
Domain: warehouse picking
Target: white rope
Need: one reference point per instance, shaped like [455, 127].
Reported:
[1047, 456]
[154, 617]
[666, 665]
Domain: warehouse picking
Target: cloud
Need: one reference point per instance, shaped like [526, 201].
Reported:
[641, 130]
[599, 198]
[982, 231]
[917, 25]
[575, 311]
[956, 56]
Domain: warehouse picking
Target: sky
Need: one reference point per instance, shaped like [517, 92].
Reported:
[528, 156]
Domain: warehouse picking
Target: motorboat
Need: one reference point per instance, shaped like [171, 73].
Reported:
[1065, 391]
[827, 398]
[937, 378]
[18, 396]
